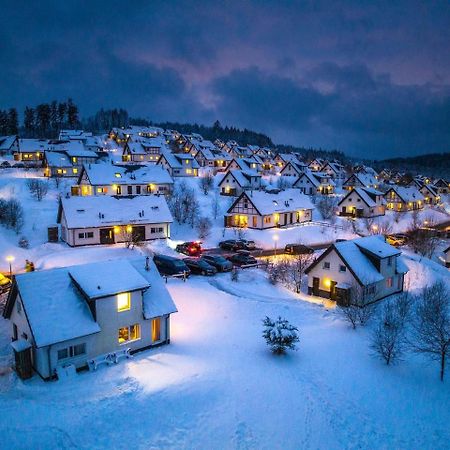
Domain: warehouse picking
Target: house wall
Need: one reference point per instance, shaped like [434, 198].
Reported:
[229, 186]
[355, 201]
[163, 188]
[395, 203]
[289, 170]
[305, 185]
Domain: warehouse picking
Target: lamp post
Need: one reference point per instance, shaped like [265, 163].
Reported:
[275, 239]
[10, 260]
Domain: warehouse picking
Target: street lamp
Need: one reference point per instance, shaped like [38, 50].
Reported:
[275, 239]
[10, 259]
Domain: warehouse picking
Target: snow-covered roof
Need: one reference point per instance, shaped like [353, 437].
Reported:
[285, 201]
[103, 211]
[98, 280]
[157, 300]
[377, 246]
[364, 178]
[6, 142]
[56, 159]
[106, 174]
[241, 176]
[33, 145]
[368, 195]
[55, 308]
[175, 160]
[408, 194]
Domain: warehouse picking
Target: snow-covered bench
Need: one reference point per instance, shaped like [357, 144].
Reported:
[109, 358]
[125, 353]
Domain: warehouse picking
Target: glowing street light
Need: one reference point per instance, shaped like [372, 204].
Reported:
[10, 260]
[275, 240]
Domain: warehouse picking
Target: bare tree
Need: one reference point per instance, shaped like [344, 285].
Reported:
[203, 227]
[384, 227]
[360, 307]
[424, 240]
[11, 214]
[206, 182]
[369, 224]
[184, 204]
[326, 205]
[431, 324]
[130, 237]
[37, 188]
[389, 335]
[215, 205]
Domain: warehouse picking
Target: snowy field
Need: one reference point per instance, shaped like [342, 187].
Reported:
[216, 386]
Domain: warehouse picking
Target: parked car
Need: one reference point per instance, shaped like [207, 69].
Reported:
[298, 249]
[200, 266]
[229, 244]
[168, 265]
[219, 262]
[239, 244]
[243, 259]
[397, 240]
[189, 248]
[5, 283]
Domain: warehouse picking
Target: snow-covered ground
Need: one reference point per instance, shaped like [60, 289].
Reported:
[216, 385]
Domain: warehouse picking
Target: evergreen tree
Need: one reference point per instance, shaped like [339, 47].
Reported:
[29, 121]
[72, 113]
[280, 335]
[43, 119]
[13, 121]
[62, 110]
[54, 122]
[3, 123]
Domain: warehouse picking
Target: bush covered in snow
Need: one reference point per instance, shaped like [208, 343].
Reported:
[280, 335]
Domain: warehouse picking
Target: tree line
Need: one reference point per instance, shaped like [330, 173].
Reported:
[9, 122]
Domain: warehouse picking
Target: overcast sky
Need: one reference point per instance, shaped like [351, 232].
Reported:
[370, 78]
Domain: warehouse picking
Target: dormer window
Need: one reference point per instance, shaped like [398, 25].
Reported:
[123, 301]
[118, 175]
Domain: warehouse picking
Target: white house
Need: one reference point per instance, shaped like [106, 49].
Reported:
[74, 315]
[110, 220]
[316, 164]
[108, 179]
[261, 210]
[442, 186]
[365, 266]
[400, 198]
[362, 202]
[30, 151]
[311, 183]
[8, 145]
[430, 194]
[144, 149]
[179, 164]
[293, 168]
[360, 179]
[236, 181]
[334, 169]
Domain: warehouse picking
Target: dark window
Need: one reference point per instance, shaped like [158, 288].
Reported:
[342, 268]
[326, 265]
[79, 349]
[90, 234]
[389, 261]
[80, 235]
[63, 353]
[130, 190]
[138, 190]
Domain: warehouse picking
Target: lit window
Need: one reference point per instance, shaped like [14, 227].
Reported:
[123, 301]
[188, 171]
[389, 282]
[131, 333]
[75, 170]
[156, 329]
[118, 175]
[74, 159]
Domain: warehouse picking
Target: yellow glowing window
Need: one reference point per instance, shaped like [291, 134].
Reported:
[156, 329]
[131, 333]
[123, 301]
[75, 170]
[186, 161]
[74, 159]
[188, 171]
[118, 175]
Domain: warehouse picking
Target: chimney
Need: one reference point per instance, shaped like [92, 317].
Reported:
[147, 263]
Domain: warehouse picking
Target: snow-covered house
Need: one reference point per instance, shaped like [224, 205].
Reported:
[144, 149]
[110, 220]
[311, 183]
[400, 198]
[261, 210]
[97, 311]
[179, 164]
[8, 145]
[30, 150]
[360, 180]
[293, 168]
[334, 169]
[364, 266]
[316, 164]
[281, 159]
[442, 186]
[58, 164]
[430, 194]
[236, 181]
[362, 202]
[108, 179]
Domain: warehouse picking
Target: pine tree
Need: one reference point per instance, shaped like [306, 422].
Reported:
[72, 113]
[280, 335]
[3, 123]
[43, 119]
[13, 121]
[54, 123]
[62, 110]
[29, 121]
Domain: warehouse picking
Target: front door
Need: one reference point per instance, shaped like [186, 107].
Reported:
[316, 282]
[344, 210]
[138, 233]
[333, 290]
[106, 236]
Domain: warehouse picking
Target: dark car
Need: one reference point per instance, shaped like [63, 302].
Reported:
[229, 244]
[298, 249]
[189, 248]
[239, 244]
[219, 262]
[200, 266]
[243, 260]
[168, 265]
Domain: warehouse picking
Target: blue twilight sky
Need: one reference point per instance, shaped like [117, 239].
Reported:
[371, 78]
